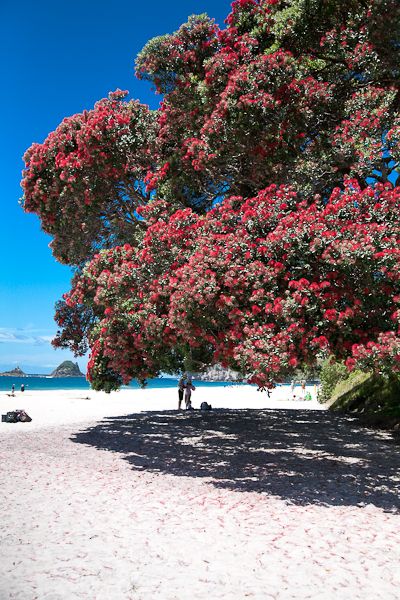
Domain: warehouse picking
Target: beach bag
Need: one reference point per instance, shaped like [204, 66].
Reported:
[23, 416]
[205, 406]
[11, 417]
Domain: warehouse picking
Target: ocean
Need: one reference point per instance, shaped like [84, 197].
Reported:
[80, 383]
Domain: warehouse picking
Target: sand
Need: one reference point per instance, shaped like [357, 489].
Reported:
[122, 497]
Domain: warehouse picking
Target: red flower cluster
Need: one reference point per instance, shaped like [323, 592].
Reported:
[275, 98]
[82, 180]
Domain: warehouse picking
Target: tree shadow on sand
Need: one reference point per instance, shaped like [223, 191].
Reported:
[302, 456]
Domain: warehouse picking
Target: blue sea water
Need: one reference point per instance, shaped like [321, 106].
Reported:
[80, 383]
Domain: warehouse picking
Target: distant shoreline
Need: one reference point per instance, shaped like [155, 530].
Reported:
[40, 375]
[48, 383]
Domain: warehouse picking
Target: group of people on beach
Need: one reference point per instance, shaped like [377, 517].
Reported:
[185, 389]
[13, 389]
[304, 394]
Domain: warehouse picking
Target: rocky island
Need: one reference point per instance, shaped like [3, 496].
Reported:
[17, 372]
[67, 369]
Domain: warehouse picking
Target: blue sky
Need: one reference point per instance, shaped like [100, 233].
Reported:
[58, 58]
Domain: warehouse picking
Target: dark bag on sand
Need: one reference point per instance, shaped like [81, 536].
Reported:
[23, 416]
[205, 406]
[10, 417]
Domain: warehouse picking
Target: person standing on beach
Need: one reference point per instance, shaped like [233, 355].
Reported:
[22, 387]
[12, 389]
[188, 392]
[181, 389]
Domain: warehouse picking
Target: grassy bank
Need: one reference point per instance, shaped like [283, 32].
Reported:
[375, 399]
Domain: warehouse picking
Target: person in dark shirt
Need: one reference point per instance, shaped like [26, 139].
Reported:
[181, 390]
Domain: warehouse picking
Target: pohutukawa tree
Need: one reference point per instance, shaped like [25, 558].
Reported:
[253, 219]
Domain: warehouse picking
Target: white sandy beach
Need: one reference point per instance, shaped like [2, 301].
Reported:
[122, 497]
[63, 407]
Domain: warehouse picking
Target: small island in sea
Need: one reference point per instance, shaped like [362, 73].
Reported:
[67, 369]
[17, 372]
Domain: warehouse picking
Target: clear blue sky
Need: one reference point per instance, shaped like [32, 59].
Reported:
[58, 58]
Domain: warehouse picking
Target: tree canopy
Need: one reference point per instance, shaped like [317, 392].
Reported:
[253, 219]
